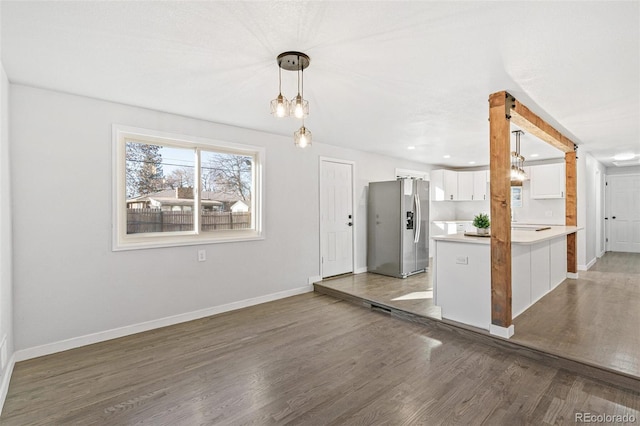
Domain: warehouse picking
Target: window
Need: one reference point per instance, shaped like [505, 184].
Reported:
[172, 190]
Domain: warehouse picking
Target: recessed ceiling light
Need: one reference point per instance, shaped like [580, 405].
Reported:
[472, 162]
[534, 155]
[624, 157]
[411, 147]
[446, 156]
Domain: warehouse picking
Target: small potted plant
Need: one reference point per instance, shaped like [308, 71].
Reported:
[482, 223]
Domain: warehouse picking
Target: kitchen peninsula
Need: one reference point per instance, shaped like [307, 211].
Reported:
[462, 271]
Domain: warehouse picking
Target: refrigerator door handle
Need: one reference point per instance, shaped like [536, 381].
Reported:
[416, 200]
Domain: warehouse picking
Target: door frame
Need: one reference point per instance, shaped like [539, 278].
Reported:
[354, 214]
[607, 209]
[607, 214]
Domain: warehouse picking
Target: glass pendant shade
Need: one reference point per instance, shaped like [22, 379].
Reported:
[517, 164]
[517, 160]
[299, 107]
[280, 106]
[302, 137]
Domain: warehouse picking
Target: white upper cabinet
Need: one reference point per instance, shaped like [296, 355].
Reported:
[444, 185]
[436, 185]
[480, 180]
[465, 186]
[547, 181]
[448, 185]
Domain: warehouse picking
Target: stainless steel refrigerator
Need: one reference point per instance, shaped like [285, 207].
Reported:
[398, 227]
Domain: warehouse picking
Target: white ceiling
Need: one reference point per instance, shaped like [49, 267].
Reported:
[383, 76]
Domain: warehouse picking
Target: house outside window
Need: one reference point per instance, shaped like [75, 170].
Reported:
[172, 190]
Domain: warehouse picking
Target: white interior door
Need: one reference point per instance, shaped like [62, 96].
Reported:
[624, 213]
[336, 217]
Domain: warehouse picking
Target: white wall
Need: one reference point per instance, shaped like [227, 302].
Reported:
[590, 190]
[545, 212]
[630, 170]
[6, 281]
[467, 210]
[594, 215]
[68, 282]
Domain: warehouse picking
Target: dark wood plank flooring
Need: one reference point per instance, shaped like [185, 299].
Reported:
[308, 359]
[593, 320]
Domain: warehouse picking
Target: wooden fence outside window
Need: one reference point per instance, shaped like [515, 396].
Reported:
[154, 220]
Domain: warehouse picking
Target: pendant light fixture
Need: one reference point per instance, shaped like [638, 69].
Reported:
[517, 162]
[298, 107]
[280, 105]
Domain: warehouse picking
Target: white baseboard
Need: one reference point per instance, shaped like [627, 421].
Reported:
[6, 379]
[504, 332]
[588, 265]
[102, 336]
[572, 275]
[314, 279]
[360, 270]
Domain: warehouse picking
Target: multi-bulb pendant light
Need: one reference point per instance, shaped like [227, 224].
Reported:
[517, 162]
[298, 107]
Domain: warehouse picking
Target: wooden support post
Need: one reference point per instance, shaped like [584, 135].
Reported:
[500, 161]
[571, 209]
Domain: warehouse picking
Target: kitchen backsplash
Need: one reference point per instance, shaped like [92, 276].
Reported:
[544, 212]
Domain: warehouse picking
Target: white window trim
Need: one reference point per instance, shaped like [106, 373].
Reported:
[123, 241]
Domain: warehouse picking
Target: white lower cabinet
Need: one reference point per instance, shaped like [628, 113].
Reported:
[557, 261]
[539, 270]
[469, 300]
[462, 276]
[521, 284]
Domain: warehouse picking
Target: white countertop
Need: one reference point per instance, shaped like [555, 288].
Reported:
[517, 236]
[453, 221]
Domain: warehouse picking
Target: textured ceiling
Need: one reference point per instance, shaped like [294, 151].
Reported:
[383, 76]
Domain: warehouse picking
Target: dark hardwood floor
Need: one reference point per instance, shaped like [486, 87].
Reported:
[309, 359]
[594, 320]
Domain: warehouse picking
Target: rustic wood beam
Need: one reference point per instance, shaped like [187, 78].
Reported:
[571, 209]
[500, 173]
[524, 118]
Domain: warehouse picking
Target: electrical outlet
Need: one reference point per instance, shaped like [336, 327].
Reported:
[202, 255]
[462, 260]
